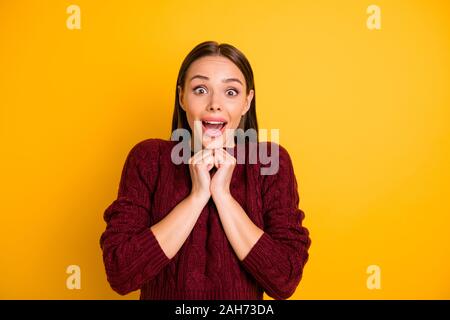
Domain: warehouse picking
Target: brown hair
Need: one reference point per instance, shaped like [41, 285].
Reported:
[212, 48]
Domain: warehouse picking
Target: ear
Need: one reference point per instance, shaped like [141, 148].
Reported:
[180, 97]
[248, 101]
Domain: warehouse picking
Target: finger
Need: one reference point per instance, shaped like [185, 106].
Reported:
[226, 157]
[229, 156]
[201, 152]
[219, 157]
[208, 161]
[210, 164]
[200, 155]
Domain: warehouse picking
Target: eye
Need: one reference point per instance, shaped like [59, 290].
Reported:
[199, 90]
[234, 92]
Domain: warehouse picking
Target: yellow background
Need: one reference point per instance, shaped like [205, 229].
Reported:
[363, 113]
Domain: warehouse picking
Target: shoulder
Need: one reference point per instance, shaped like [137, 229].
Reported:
[273, 148]
[150, 148]
[277, 176]
[273, 158]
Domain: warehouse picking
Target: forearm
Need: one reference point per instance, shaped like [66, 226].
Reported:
[240, 230]
[173, 230]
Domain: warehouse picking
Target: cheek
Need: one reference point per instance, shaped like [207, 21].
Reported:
[193, 107]
[235, 111]
[195, 104]
[236, 121]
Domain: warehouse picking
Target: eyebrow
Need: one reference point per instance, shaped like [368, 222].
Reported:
[199, 76]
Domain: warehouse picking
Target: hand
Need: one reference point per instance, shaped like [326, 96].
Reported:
[199, 166]
[220, 182]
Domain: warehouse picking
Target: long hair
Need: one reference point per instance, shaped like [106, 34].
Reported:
[212, 48]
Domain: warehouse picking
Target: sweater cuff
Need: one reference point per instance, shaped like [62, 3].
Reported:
[258, 256]
[150, 248]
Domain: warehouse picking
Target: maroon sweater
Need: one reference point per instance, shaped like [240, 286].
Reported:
[206, 266]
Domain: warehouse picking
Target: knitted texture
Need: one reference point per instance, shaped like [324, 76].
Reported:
[206, 266]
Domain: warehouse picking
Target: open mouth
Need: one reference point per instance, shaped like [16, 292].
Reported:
[213, 128]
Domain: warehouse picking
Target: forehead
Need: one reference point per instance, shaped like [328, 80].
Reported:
[215, 66]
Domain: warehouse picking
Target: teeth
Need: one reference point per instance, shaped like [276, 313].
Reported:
[215, 122]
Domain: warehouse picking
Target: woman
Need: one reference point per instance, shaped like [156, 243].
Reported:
[215, 227]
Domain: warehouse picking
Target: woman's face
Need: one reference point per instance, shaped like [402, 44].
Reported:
[214, 98]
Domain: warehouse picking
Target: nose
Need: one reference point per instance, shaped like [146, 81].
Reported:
[214, 107]
[214, 104]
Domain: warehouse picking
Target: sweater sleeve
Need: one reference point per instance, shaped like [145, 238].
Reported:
[277, 259]
[131, 253]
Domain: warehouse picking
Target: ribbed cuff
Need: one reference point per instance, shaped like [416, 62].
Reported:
[258, 257]
[149, 259]
[151, 249]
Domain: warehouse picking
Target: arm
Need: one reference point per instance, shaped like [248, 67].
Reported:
[173, 230]
[239, 228]
[131, 253]
[134, 252]
[276, 255]
[277, 259]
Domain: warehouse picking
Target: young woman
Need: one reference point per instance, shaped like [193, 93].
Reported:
[214, 227]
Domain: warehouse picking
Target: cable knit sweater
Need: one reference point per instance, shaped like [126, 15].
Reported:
[206, 266]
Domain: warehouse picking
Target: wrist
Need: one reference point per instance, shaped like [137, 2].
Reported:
[200, 197]
[221, 196]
